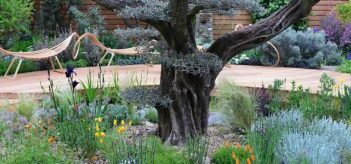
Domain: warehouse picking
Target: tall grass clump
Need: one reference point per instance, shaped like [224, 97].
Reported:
[237, 105]
[26, 106]
[134, 150]
[196, 150]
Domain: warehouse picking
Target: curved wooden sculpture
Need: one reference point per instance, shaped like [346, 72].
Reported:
[47, 53]
[240, 26]
[127, 51]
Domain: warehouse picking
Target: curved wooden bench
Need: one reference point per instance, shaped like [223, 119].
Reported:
[93, 39]
[47, 53]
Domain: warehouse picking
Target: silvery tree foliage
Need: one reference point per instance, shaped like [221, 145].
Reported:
[146, 10]
[228, 6]
[158, 10]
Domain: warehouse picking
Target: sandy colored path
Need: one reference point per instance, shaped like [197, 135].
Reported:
[29, 84]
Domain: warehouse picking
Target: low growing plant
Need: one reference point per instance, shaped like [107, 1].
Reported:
[233, 154]
[196, 150]
[151, 115]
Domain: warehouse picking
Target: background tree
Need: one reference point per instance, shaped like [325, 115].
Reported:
[188, 75]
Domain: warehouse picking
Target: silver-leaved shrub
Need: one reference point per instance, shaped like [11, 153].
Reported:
[317, 141]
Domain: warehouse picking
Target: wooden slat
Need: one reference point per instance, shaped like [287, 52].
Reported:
[221, 23]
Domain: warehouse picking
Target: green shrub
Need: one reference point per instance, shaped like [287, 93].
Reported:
[238, 106]
[80, 63]
[15, 17]
[3, 66]
[151, 115]
[233, 154]
[196, 150]
[275, 102]
[119, 148]
[26, 107]
[344, 12]
[135, 151]
[33, 149]
[345, 101]
[322, 104]
[345, 67]
[272, 6]
[78, 134]
[26, 66]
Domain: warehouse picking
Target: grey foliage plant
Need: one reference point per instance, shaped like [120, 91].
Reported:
[196, 64]
[147, 10]
[307, 49]
[306, 141]
[91, 21]
[136, 34]
[229, 6]
[145, 96]
[159, 9]
[308, 148]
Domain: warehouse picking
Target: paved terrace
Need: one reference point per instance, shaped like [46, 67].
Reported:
[29, 84]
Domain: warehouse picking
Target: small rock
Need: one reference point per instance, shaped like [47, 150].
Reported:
[216, 118]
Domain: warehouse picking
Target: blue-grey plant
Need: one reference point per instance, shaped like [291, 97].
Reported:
[307, 49]
[338, 132]
[91, 21]
[147, 10]
[293, 139]
[286, 120]
[228, 6]
[308, 148]
[13, 122]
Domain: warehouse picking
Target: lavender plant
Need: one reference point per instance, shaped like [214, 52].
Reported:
[345, 40]
[332, 27]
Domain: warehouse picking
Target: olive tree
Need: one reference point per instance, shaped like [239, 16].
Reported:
[187, 74]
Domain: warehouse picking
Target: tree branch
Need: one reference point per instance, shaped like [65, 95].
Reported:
[178, 23]
[232, 44]
[115, 4]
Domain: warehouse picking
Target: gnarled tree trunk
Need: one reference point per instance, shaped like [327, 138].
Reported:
[187, 116]
[188, 113]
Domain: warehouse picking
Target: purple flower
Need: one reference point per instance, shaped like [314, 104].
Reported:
[345, 39]
[332, 27]
[7, 58]
[349, 56]
[315, 29]
[74, 84]
[69, 71]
